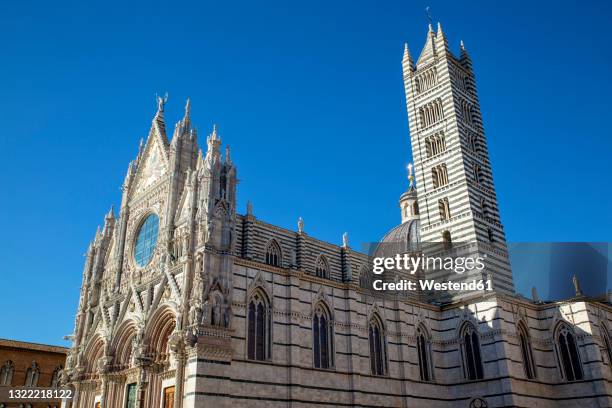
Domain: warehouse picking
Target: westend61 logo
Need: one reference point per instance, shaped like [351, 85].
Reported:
[412, 264]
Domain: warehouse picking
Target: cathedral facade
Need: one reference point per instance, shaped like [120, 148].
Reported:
[187, 303]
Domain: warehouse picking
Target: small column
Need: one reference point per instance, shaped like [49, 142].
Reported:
[247, 232]
[179, 378]
[300, 244]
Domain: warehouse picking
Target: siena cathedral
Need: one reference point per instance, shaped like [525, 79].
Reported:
[187, 303]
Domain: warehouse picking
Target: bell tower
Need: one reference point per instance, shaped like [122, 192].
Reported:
[456, 200]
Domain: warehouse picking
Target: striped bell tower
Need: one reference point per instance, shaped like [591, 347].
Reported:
[457, 199]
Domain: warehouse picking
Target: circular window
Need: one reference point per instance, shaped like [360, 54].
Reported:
[146, 240]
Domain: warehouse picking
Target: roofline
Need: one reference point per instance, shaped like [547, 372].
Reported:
[33, 346]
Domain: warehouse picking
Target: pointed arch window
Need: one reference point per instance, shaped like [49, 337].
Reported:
[472, 362]
[477, 174]
[322, 268]
[322, 338]
[378, 346]
[473, 142]
[273, 253]
[444, 208]
[525, 344]
[6, 373]
[567, 351]
[435, 144]
[259, 331]
[32, 374]
[447, 240]
[439, 175]
[484, 208]
[365, 278]
[424, 353]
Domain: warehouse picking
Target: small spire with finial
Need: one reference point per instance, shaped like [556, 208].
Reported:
[410, 168]
[228, 158]
[187, 118]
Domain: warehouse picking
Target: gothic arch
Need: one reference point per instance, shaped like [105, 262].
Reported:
[93, 352]
[322, 335]
[259, 325]
[377, 339]
[471, 353]
[274, 254]
[423, 340]
[524, 338]
[567, 351]
[122, 343]
[322, 267]
[259, 284]
[365, 277]
[161, 326]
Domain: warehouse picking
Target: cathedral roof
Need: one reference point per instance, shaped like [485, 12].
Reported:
[400, 239]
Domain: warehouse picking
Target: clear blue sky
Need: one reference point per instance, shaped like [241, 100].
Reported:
[310, 97]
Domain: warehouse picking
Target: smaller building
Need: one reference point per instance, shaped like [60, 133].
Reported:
[25, 364]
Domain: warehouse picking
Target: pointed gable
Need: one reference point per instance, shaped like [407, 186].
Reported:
[429, 50]
[153, 165]
[184, 204]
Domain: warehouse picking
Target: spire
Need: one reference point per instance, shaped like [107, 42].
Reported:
[111, 213]
[464, 58]
[442, 43]
[214, 135]
[429, 49]
[187, 118]
[407, 58]
[228, 158]
[214, 142]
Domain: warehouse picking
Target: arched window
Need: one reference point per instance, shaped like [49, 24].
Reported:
[32, 374]
[378, 346]
[6, 373]
[415, 208]
[607, 343]
[322, 269]
[472, 361]
[322, 338]
[259, 327]
[567, 352]
[435, 144]
[525, 343]
[446, 239]
[273, 253]
[439, 175]
[490, 235]
[424, 353]
[484, 209]
[477, 174]
[444, 208]
[365, 278]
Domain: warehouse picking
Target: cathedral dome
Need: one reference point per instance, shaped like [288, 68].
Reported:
[407, 233]
[399, 240]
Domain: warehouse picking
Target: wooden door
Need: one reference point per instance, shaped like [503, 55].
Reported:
[169, 397]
